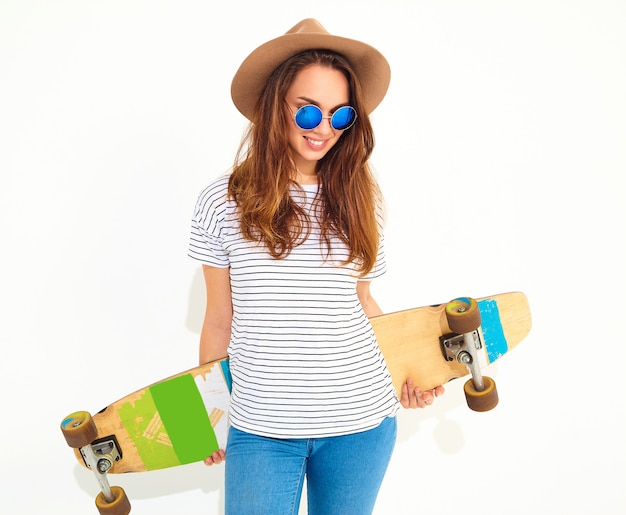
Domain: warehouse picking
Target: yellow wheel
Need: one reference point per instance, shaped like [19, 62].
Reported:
[484, 400]
[463, 315]
[79, 429]
[119, 506]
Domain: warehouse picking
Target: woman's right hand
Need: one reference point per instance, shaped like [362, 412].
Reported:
[216, 458]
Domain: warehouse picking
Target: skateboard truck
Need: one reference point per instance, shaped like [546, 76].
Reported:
[100, 464]
[80, 433]
[463, 316]
[462, 349]
[107, 452]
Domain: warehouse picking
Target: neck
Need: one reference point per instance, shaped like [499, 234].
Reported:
[307, 179]
[307, 174]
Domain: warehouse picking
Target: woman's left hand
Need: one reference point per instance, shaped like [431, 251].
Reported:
[413, 397]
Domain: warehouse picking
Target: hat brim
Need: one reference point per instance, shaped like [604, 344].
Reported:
[370, 66]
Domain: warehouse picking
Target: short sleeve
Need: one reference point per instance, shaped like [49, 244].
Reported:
[206, 243]
[380, 267]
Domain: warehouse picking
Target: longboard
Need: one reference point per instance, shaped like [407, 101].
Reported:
[411, 340]
[184, 418]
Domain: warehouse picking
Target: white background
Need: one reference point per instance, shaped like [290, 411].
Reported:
[501, 152]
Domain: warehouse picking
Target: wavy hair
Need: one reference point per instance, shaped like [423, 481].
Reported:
[264, 173]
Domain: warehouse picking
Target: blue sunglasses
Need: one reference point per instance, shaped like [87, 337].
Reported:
[310, 116]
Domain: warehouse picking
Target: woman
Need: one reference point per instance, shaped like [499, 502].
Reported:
[289, 242]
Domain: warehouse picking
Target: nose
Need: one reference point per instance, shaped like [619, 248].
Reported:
[324, 127]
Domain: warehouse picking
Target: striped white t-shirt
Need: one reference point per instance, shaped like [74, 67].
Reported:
[303, 356]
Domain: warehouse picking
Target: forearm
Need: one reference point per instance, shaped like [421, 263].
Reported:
[218, 315]
[370, 306]
[214, 341]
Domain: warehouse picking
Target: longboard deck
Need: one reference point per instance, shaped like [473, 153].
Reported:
[183, 419]
[179, 420]
[409, 340]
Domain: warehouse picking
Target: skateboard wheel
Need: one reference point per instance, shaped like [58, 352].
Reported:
[484, 400]
[463, 315]
[119, 506]
[79, 429]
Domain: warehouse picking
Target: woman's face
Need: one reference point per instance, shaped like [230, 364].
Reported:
[328, 89]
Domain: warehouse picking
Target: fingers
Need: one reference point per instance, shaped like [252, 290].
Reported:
[216, 458]
[413, 397]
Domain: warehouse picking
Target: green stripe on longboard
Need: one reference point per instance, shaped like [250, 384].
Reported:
[169, 424]
[145, 429]
[185, 418]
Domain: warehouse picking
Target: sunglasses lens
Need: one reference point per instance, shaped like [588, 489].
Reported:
[343, 118]
[308, 117]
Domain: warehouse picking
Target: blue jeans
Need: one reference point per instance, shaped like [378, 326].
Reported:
[265, 476]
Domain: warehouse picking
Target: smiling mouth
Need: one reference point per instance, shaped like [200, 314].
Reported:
[315, 142]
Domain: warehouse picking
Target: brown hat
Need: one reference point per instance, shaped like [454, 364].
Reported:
[369, 64]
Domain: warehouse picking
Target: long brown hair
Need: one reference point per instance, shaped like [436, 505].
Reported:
[264, 173]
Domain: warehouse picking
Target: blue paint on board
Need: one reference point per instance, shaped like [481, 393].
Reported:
[495, 342]
[226, 371]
